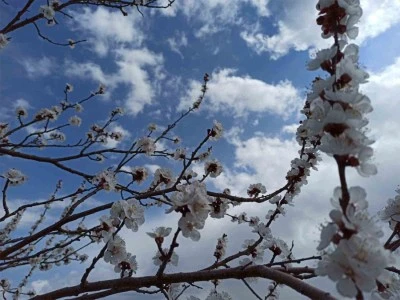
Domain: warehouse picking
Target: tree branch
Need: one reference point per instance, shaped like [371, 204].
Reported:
[277, 275]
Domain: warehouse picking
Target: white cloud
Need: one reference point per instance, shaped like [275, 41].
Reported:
[292, 128]
[258, 159]
[132, 70]
[152, 168]
[8, 111]
[211, 16]
[261, 7]
[177, 42]
[139, 69]
[109, 29]
[244, 94]
[383, 89]
[40, 286]
[294, 33]
[39, 67]
[21, 103]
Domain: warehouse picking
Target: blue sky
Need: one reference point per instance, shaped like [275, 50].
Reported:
[255, 51]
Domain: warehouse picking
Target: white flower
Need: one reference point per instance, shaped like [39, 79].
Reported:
[350, 141]
[47, 11]
[357, 202]
[21, 112]
[58, 136]
[163, 176]
[189, 225]
[160, 233]
[152, 127]
[106, 180]
[158, 258]
[147, 145]
[275, 199]
[357, 100]
[365, 168]
[180, 154]
[35, 260]
[5, 284]
[75, 121]
[134, 214]
[195, 197]
[391, 212]
[254, 221]
[189, 174]
[55, 3]
[391, 289]
[127, 266]
[101, 90]
[327, 233]
[116, 251]
[216, 131]
[3, 129]
[214, 295]
[117, 136]
[71, 43]
[139, 174]
[255, 189]
[203, 156]
[117, 111]
[363, 224]
[321, 57]
[218, 208]
[173, 291]
[45, 113]
[354, 12]
[107, 227]
[220, 249]
[15, 177]
[257, 254]
[3, 41]
[352, 75]
[78, 107]
[279, 247]
[263, 230]
[213, 167]
[84, 257]
[355, 264]
[69, 87]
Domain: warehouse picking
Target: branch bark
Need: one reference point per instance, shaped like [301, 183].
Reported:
[275, 274]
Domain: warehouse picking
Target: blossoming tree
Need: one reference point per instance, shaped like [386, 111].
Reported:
[351, 252]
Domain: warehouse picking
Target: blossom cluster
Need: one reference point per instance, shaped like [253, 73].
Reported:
[335, 108]
[354, 257]
[391, 212]
[193, 202]
[131, 213]
[98, 133]
[15, 177]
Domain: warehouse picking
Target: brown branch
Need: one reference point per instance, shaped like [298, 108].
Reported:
[43, 159]
[69, 44]
[251, 289]
[4, 254]
[167, 257]
[5, 206]
[18, 16]
[277, 275]
[234, 256]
